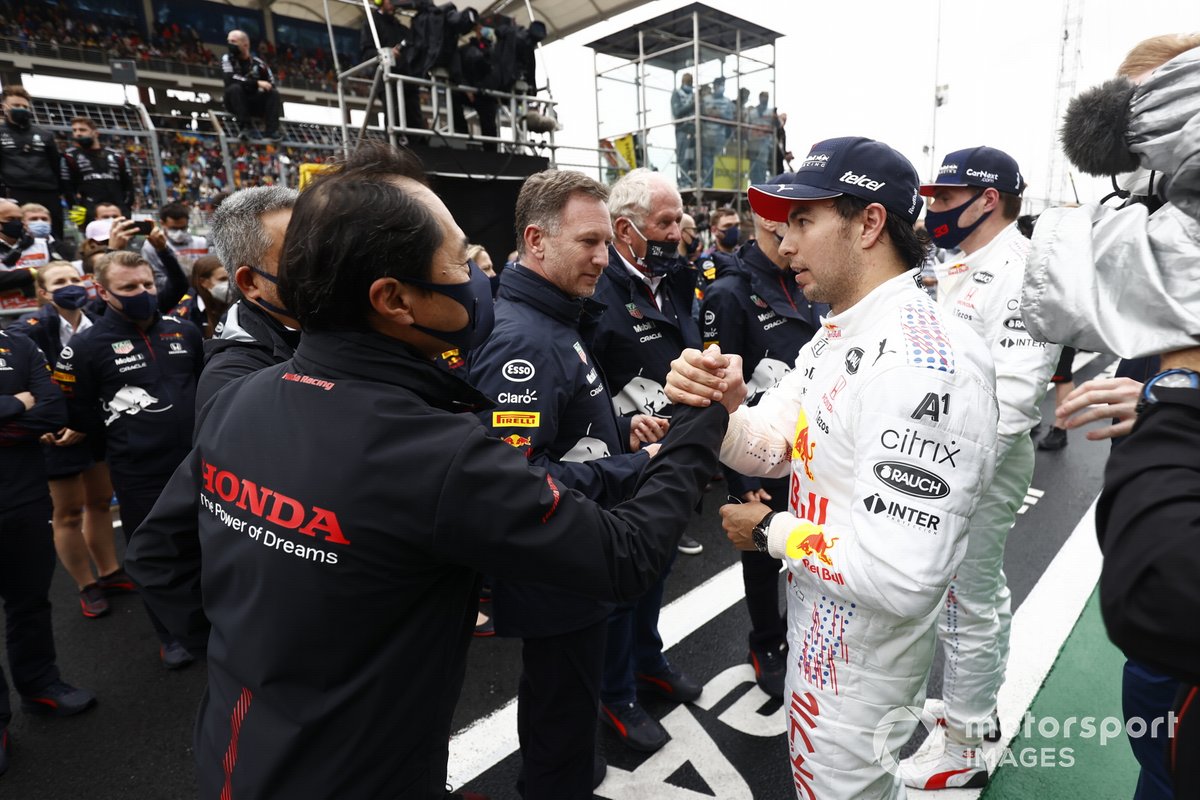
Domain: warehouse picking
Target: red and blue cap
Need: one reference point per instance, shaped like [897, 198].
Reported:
[983, 167]
[853, 165]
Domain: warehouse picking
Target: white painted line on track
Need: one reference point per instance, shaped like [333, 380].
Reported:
[1040, 627]
[489, 740]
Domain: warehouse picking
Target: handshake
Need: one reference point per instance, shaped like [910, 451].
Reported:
[702, 378]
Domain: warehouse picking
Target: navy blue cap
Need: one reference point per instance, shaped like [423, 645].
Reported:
[853, 165]
[985, 167]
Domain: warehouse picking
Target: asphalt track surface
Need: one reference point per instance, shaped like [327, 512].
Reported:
[137, 742]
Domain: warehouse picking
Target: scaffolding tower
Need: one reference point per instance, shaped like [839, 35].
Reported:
[715, 139]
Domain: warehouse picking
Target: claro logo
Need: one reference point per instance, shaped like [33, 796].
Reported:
[910, 480]
[518, 370]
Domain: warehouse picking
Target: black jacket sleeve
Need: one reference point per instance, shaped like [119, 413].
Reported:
[1148, 521]
[15, 278]
[128, 191]
[534, 530]
[49, 412]
[723, 322]
[75, 376]
[70, 178]
[176, 284]
[227, 366]
[165, 558]
[606, 480]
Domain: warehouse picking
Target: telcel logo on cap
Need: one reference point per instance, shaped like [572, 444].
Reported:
[863, 181]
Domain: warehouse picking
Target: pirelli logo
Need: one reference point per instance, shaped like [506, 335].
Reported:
[516, 419]
[62, 377]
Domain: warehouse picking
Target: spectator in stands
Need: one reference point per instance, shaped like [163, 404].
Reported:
[80, 487]
[250, 88]
[683, 107]
[30, 165]
[209, 298]
[714, 105]
[131, 377]
[94, 174]
[29, 407]
[175, 219]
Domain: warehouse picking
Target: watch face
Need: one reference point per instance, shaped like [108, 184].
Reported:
[1177, 380]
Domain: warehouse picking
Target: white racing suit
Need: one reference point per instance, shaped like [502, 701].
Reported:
[974, 627]
[887, 429]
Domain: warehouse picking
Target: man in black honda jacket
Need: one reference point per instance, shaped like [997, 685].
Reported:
[346, 500]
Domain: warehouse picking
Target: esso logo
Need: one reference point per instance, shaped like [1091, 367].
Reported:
[518, 370]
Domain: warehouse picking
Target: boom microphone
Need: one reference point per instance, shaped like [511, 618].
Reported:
[1095, 126]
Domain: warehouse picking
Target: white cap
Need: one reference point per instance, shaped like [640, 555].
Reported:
[98, 230]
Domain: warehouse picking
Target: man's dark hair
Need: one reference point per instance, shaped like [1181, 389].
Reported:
[1010, 205]
[544, 196]
[721, 213]
[84, 121]
[174, 211]
[910, 245]
[350, 227]
[15, 90]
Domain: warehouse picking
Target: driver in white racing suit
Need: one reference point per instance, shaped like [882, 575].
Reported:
[973, 206]
[887, 430]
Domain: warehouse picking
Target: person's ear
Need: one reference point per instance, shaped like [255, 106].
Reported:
[874, 221]
[393, 300]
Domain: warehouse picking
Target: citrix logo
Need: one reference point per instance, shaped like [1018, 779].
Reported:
[863, 181]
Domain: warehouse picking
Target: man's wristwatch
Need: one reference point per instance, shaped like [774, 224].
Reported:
[759, 534]
[1175, 386]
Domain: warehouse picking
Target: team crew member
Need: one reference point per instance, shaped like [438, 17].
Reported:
[247, 235]
[387, 566]
[30, 164]
[974, 205]
[131, 378]
[760, 313]
[173, 222]
[726, 228]
[16, 244]
[95, 174]
[647, 322]
[249, 88]
[553, 407]
[79, 483]
[887, 429]
[30, 405]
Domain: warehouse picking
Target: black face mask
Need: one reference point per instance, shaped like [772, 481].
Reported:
[13, 228]
[85, 142]
[234, 50]
[20, 117]
[267, 304]
[661, 256]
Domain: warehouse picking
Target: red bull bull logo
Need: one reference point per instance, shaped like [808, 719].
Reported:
[815, 544]
[802, 451]
[517, 440]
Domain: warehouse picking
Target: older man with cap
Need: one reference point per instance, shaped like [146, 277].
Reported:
[974, 203]
[886, 432]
